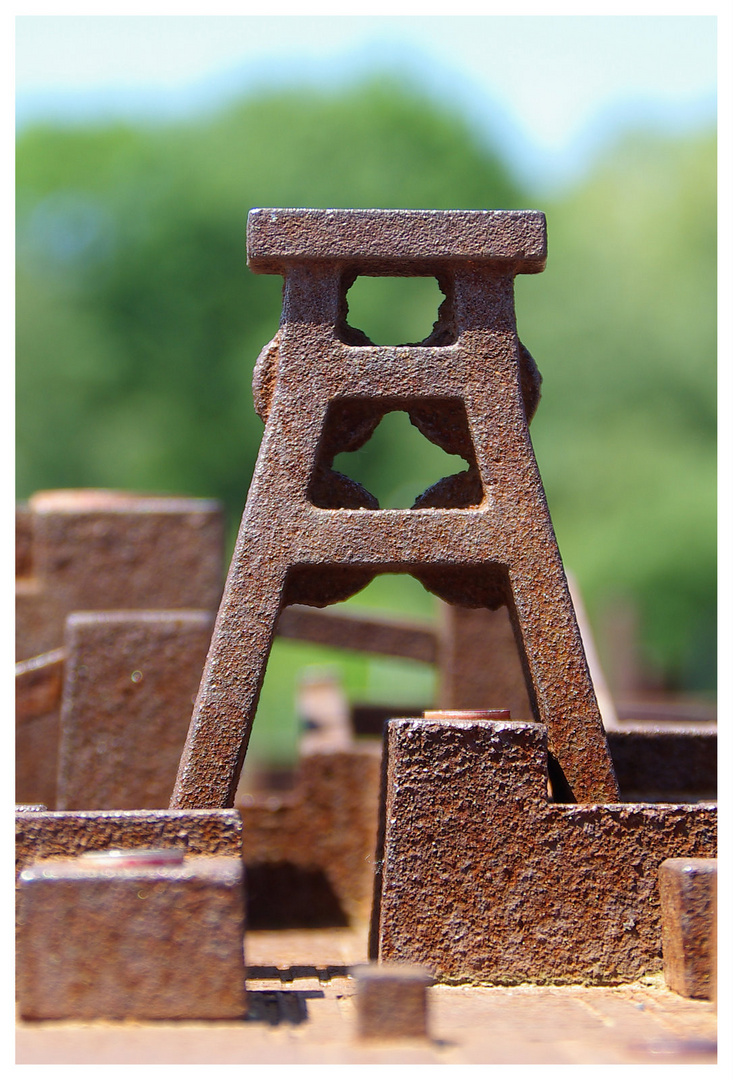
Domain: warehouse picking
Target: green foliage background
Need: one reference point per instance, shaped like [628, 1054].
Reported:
[138, 325]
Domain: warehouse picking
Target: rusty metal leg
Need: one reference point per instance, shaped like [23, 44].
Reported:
[221, 725]
[551, 647]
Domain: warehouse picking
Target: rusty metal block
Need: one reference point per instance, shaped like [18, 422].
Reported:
[38, 684]
[392, 1001]
[309, 854]
[687, 890]
[483, 879]
[665, 762]
[482, 538]
[131, 679]
[108, 550]
[65, 835]
[158, 941]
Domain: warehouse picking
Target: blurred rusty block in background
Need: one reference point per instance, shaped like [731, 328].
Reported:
[411, 639]
[131, 679]
[38, 685]
[65, 835]
[154, 942]
[90, 550]
[484, 879]
[481, 538]
[688, 891]
[665, 762]
[309, 853]
[392, 1001]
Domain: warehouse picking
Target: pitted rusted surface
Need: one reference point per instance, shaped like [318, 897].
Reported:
[131, 679]
[484, 880]
[688, 891]
[146, 942]
[65, 834]
[310, 854]
[310, 536]
[110, 550]
[416, 240]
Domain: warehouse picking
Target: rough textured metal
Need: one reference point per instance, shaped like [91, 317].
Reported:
[687, 890]
[391, 1001]
[65, 835]
[109, 550]
[38, 684]
[310, 854]
[131, 679]
[146, 942]
[485, 880]
[481, 538]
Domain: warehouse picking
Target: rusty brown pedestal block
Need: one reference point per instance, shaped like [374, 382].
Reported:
[309, 855]
[481, 538]
[109, 550]
[484, 880]
[688, 888]
[391, 1001]
[131, 679]
[160, 942]
[64, 835]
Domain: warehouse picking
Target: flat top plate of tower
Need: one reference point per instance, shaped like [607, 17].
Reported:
[378, 238]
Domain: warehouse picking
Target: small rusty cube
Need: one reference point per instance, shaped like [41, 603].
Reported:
[687, 890]
[101, 938]
[391, 1001]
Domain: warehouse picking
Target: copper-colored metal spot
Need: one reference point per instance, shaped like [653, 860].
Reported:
[467, 714]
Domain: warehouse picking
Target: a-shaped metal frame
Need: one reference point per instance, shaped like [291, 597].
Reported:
[309, 535]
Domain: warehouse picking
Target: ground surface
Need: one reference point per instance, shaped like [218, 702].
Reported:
[302, 1012]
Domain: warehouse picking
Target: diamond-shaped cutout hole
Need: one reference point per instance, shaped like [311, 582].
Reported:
[398, 463]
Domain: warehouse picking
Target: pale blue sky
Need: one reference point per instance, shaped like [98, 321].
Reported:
[549, 89]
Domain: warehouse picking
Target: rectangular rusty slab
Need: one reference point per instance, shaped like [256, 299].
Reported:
[151, 942]
[64, 834]
[131, 680]
[688, 890]
[107, 550]
[276, 238]
[485, 880]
